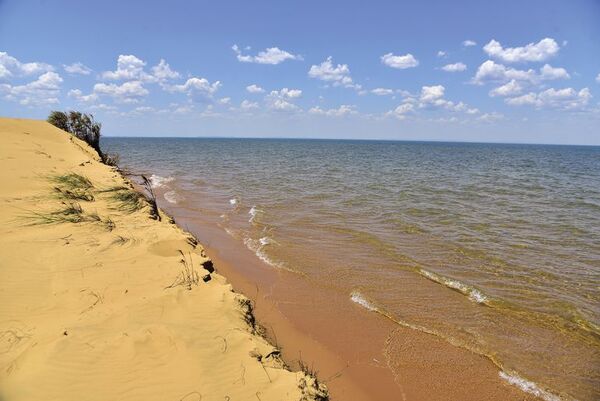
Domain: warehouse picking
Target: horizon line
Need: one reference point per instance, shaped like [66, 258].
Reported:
[350, 139]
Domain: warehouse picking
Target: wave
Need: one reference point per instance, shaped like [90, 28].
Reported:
[528, 386]
[472, 293]
[512, 378]
[156, 181]
[253, 212]
[257, 246]
[172, 197]
[358, 298]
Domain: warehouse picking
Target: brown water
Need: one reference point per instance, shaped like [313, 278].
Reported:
[401, 228]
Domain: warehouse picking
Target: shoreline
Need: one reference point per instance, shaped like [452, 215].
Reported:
[99, 297]
[301, 315]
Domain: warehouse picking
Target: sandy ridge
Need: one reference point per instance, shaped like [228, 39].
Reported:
[86, 312]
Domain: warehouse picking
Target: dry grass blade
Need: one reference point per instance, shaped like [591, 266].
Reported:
[188, 277]
[72, 186]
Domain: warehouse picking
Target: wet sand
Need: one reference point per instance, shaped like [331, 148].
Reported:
[359, 354]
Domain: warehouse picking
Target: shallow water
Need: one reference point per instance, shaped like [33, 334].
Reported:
[403, 227]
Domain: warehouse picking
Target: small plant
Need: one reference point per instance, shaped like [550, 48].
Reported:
[310, 386]
[188, 277]
[73, 187]
[151, 198]
[71, 212]
[129, 200]
[248, 316]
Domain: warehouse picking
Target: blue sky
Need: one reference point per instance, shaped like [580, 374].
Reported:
[512, 71]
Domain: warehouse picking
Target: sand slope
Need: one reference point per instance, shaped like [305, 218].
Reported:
[84, 309]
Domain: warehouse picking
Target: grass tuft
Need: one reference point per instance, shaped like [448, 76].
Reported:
[73, 187]
[188, 277]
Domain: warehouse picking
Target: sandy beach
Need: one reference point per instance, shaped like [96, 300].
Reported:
[95, 301]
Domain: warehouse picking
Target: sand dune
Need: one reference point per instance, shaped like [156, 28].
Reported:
[93, 303]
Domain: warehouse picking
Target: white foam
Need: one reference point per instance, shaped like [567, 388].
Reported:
[233, 201]
[474, 294]
[257, 246]
[357, 297]
[253, 212]
[528, 386]
[172, 197]
[156, 181]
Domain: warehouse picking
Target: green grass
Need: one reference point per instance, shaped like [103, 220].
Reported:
[73, 187]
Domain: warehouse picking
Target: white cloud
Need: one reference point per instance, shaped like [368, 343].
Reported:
[43, 91]
[567, 98]
[456, 67]
[491, 117]
[128, 92]
[382, 91]
[196, 88]
[282, 100]
[286, 93]
[77, 68]
[11, 67]
[129, 67]
[162, 71]
[441, 53]
[469, 43]
[598, 78]
[401, 111]
[512, 88]
[547, 72]
[272, 55]
[224, 100]
[78, 95]
[248, 105]
[254, 89]
[339, 112]
[338, 75]
[400, 62]
[490, 71]
[431, 93]
[540, 51]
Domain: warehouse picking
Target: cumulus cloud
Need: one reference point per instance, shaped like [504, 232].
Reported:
[254, 89]
[598, 78]
[401, 111]
[547, 72]
[490, 71]
[441, 53]
[433, 97]
[338, 75]
[400, 62]
[540, 51]
[382, 91]
[339, 112]
[512, 88]
[431, 93]
[271, 55]
[469, 43]
[163, 72]
[282, 100]
[248, 105]
[43, 91]
[11, 67]
[456, 67]
[77, 69]
[128, 92]
[197, 88]
[567, 98]
[78, 95]
[129, 67]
